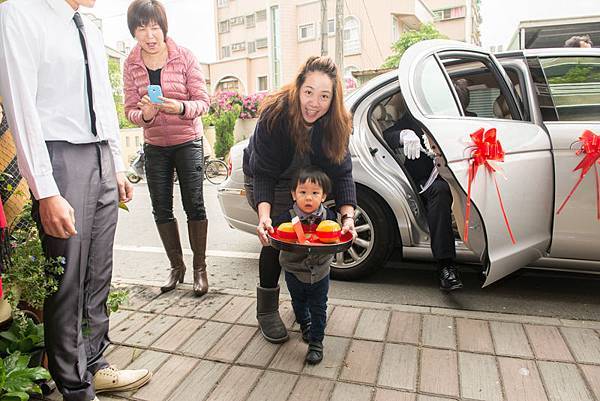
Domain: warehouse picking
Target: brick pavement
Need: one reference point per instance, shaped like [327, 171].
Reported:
[209, 349]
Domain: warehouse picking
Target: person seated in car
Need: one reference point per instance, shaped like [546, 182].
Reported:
[434, 192]
[462, 90]
[579, 41]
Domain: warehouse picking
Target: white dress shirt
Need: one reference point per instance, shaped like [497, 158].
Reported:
[43, 85]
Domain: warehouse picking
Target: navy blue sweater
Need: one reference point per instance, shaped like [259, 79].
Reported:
[269, 154]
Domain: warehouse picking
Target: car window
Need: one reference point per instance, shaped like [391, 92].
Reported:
[483, 96]
[433, 93]
[574, 84]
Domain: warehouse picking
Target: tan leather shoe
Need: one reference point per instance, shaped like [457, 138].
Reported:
[113, 379]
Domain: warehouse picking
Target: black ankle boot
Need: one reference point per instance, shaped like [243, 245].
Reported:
[305, 330]
[267, 314]
[449, 279]
[315, 352]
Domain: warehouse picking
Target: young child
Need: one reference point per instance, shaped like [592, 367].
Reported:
[307, 275]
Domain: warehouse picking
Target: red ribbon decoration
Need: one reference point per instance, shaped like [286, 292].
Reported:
[485, 148]
[591, 147]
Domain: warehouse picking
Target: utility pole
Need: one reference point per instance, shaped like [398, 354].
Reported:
[324, 28]
[339, 34]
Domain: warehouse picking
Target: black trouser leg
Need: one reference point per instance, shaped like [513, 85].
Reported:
[160, 167]
[438, 203]
[189, 163]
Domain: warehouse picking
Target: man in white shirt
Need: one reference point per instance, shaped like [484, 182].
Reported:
[58, 100]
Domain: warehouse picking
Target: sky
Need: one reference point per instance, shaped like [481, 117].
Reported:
[500, 18]
[191, 24]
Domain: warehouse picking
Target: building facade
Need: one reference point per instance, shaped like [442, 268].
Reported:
[261, 43]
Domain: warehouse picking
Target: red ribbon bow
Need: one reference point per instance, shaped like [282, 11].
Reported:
[591, 147]
[486, 148]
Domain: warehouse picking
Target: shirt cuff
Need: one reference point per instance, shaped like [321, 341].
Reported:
[43, 186]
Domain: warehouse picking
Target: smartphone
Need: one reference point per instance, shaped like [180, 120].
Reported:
[154, 91]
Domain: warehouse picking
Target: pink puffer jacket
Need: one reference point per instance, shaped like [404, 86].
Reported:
[181, 79]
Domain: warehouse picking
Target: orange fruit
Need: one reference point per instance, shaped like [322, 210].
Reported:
[286, 231]
[328, 231]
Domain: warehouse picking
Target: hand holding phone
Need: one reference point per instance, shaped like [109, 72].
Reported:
[154, 92]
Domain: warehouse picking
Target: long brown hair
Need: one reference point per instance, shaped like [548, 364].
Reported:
[285, 104]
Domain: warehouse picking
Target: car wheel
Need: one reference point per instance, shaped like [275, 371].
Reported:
[374, 243]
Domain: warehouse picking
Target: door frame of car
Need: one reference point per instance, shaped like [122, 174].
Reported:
[529, 148]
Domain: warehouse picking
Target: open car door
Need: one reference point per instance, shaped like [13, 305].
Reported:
[426, 73]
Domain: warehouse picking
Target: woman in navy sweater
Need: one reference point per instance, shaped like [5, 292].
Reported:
[304, 123]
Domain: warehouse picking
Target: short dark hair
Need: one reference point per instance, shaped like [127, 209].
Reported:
[141, 12]
[575, 41]
[462, 90]
[311, 174]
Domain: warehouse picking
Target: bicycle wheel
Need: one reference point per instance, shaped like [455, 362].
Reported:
[216, 171]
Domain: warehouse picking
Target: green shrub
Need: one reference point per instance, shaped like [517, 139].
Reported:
[224, 125]
[30, 277]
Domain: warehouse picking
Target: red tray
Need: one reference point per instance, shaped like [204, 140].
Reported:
[312, 246]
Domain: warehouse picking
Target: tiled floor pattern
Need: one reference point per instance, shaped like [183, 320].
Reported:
[210, 349]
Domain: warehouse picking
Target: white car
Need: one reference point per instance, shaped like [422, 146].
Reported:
[539, 102]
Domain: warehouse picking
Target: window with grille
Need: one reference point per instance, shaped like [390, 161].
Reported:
[449, 13]
[225, 51]
[250, 21]
[331, 25]
[261, 15]
[306, 31]
[236, 47]
[222, 3]
[224, 26]
[262, 83]
[351, 35]
[261, 43]
[251, 47]
[236, 20]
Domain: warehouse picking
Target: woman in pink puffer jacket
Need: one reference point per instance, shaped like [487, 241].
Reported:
[172, 133]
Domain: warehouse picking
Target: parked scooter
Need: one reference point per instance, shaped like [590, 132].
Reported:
[136, 170]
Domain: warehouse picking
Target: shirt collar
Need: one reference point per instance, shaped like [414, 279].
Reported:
[310, 218]
[64, 11]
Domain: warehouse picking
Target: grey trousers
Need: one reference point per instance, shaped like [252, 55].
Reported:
[75, 317]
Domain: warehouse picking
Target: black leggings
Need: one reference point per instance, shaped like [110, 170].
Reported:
[269, 268]
[161, 162]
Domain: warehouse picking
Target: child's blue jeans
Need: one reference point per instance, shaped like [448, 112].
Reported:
[310, 304]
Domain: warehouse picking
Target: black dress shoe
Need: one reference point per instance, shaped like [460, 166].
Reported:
[315, 352]
[449, 279]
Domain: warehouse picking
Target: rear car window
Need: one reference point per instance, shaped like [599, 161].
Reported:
[574, 84]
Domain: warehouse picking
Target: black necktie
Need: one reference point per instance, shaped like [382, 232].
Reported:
[80, 27]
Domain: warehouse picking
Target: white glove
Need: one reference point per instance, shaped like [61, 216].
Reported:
[411, 143]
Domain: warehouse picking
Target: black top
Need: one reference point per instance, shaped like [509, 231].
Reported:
[154, 76]
[419, 169]
[269, 154]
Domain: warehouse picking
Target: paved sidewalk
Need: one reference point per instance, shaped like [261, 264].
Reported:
[210, 349]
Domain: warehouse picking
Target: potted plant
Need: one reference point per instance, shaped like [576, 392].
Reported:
[26, 336]
[17, 380]
[244, 126]
[31, 277]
